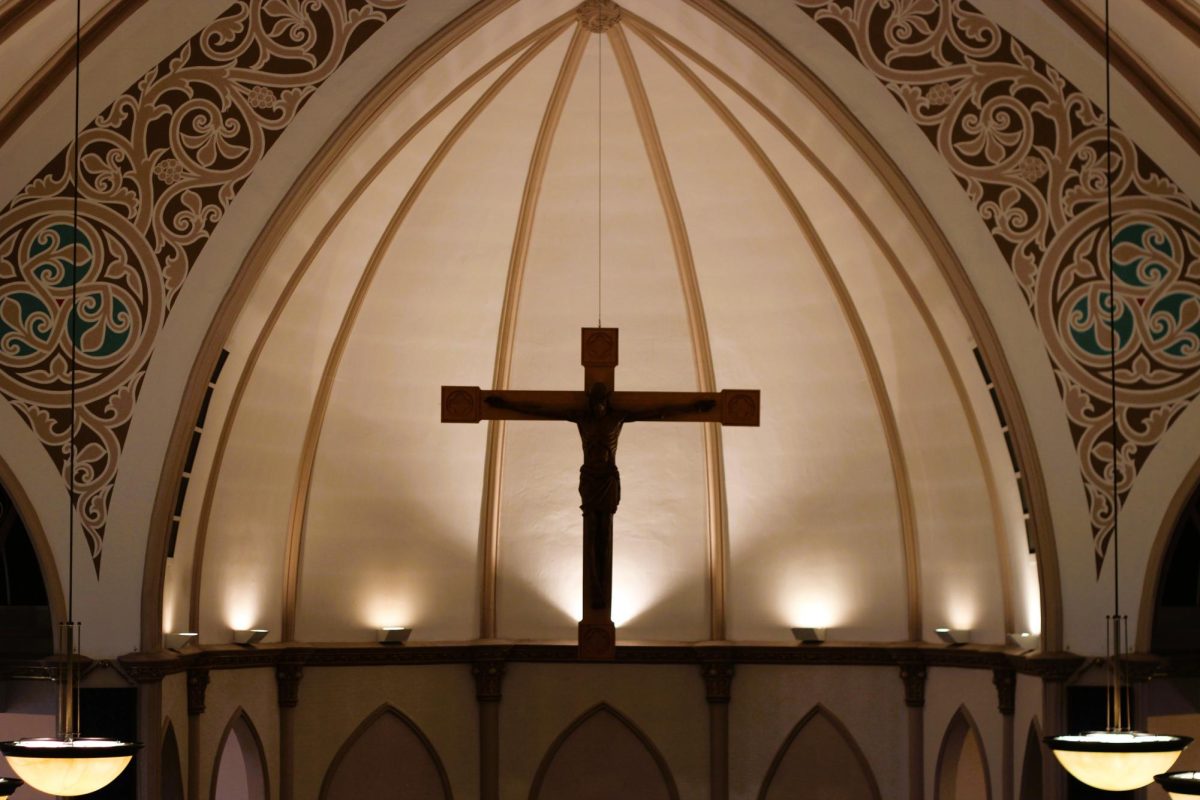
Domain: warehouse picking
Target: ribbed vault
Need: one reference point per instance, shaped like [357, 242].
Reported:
[735, 235]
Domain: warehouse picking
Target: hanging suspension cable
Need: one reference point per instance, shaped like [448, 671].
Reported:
[1112, 310]
[599, 180]
[72, 322]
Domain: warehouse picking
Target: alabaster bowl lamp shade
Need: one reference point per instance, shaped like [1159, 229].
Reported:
[68, 767]
[1180, 785]
[8, 786]
[1116, 761]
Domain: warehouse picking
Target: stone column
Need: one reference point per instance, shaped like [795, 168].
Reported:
[287, 685]
[1005, 681]
[913, 674]
[718, 686]
[489, 675]
[149, 760]
[1054, 722]
[197, 685]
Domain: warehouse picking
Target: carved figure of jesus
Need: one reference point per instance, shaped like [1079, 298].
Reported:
[600, 424]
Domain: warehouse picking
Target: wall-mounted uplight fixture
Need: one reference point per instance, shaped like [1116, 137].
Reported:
[394, 634]
[809, 635]
[250, 636]
[1025, 640]
[953, 635]
[179, 640]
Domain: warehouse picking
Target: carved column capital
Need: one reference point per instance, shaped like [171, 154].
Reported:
[1005, 681]
[197, 685]
[718, 680]
[287, 683]
[489, 675]
[913, 674]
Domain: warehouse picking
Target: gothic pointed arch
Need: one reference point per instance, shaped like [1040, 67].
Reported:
[171, 770]
[240, 770]
[819, 757]
[20, 525]
[386, 753]
[603, 754]
[1031, 763]
[1170, 609]
[962, 768]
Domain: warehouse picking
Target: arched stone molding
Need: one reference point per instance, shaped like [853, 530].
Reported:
[1159, 547]
[282, 215]
[842, 736]
[253, 754]
[170, 766]
[418, 746]
[202, 350]
[960, 744]
[964, 254]
[598, 712]
[41, 545]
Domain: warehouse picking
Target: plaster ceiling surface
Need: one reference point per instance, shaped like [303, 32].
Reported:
[666, 178]
[24, 48]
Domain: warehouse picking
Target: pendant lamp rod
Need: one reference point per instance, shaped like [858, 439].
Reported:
[1117, 718]
[68, 765]
[1112, 305]
[599, 179]
[68, 723]
[72, 321]
[1117, 758]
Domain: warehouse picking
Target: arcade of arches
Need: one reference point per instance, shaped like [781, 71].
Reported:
[299, 218]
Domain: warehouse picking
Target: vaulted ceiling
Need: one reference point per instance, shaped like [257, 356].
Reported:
[329, 216]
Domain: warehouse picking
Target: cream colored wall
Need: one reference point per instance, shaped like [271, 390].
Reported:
[666, 702]
[945, 692]
[540, 700]
[253, 691]
[174, 708]
[440, 700]
[769, 701]
[1029, 708]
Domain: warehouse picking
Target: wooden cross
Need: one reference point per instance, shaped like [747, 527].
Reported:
[599, 412]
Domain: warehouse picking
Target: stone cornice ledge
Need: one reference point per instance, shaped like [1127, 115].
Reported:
[148, 667]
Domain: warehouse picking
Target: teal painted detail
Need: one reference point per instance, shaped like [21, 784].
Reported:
[14, 343]
[1083, 331]
[114, 338]
[1136, 235]
[1086, 325]
[64, 237]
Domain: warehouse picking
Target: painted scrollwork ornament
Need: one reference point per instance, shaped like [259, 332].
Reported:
[1029, 150]
[159, 168]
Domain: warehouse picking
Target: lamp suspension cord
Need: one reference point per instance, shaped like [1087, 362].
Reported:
[1117, 713]
[1112, 311]
[599, 179]
[73, 321]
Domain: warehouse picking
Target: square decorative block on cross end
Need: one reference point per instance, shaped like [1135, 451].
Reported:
[739, 407]
[461, 404]
[598, 347]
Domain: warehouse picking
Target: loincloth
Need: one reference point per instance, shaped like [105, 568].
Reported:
[599, 488]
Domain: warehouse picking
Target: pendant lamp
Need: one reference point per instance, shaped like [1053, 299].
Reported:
[1180, 785]
[1117, 759]
[69, 765]
[8, 786]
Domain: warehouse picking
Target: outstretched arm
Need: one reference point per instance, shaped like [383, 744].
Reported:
[669, 411]
[532, 409]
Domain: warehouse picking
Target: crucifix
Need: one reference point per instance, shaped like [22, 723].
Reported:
[599, 413]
